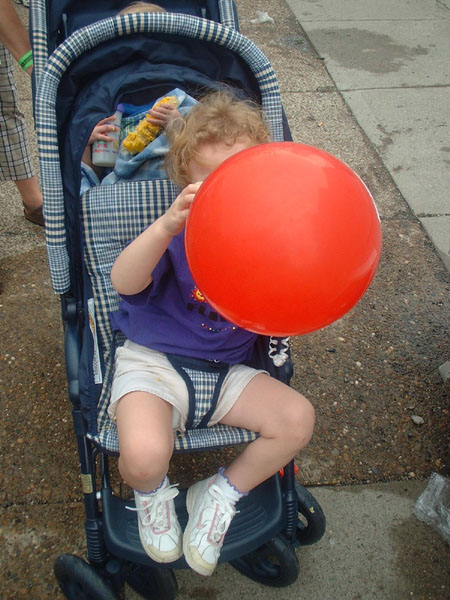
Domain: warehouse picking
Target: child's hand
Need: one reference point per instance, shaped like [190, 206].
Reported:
[162, 114]
[174, 219]
[100, 131]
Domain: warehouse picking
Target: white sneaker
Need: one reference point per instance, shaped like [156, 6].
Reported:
[210, 514]
[159, 530]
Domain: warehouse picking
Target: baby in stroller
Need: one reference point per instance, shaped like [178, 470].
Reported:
[142, 164]
[167, 322]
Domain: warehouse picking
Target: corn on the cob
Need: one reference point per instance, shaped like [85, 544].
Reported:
[145, 131]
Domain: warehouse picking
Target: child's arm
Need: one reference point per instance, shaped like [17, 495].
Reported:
[132, 271]
[100, 132]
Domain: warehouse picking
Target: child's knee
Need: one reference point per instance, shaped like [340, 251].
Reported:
[307, 418]
[298, 422]
[145, 463]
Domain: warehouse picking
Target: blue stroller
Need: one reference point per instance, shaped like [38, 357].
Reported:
[87, 60]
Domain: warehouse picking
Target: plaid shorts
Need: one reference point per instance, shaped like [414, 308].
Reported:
[140, 369]
[15, 161]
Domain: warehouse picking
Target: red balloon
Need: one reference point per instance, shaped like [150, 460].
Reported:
[283, 239]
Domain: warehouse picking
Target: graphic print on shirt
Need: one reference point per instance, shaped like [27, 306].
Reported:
[198, 296]
[200, 305]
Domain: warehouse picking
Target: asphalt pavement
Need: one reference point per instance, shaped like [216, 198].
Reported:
[368, 82]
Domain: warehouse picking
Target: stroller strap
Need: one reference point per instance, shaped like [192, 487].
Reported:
[204, 380]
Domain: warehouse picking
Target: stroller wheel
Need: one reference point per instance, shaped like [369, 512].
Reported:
[152, 583]
[314, 528]
[80, 581]
[274, 563]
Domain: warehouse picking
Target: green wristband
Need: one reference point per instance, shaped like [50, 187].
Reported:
[26, 61]
[28, 64]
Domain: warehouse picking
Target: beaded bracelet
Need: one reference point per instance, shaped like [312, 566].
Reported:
[27, 60]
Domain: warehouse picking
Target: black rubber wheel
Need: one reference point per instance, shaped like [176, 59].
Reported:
[152, 583]
[274, 564]
[310, 532]
[80, 581]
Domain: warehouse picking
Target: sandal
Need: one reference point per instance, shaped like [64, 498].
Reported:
[34, 216]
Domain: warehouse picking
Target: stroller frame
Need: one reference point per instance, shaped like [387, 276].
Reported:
[268, 524]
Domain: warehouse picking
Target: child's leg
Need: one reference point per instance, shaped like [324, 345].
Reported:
[285, 421]
[144, 426]
[283, 418]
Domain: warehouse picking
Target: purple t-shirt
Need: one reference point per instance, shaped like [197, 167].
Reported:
[171, 315]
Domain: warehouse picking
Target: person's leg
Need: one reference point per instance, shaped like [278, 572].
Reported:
[30, 192]
[15, 159]
[284, 420]
[31, 199]
[144, 425]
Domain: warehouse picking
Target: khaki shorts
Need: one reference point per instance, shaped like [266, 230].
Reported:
[138, 368]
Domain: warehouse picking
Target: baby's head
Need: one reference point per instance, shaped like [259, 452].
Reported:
[141, 7]
[217, 127]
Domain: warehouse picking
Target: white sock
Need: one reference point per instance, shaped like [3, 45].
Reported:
[229, 490]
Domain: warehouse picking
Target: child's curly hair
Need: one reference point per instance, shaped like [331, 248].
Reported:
[217, 117]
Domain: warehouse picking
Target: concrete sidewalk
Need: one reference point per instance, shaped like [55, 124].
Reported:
[374, 549]
[391, 63]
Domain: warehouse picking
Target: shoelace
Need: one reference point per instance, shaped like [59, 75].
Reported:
[225, 513]
[153, 510]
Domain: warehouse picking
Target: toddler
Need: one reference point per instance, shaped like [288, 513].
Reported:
[166, 320]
